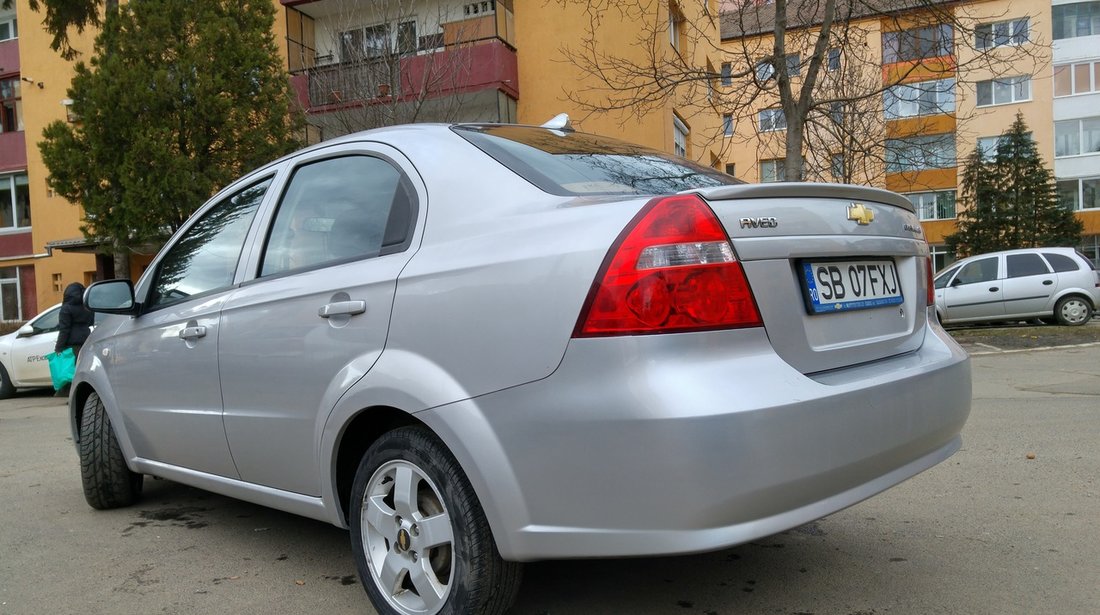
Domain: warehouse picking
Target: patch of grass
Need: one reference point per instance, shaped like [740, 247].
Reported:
[1015, 336]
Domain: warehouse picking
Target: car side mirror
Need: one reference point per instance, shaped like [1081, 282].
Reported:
[956, 282]
[25, 331]
[111, 297]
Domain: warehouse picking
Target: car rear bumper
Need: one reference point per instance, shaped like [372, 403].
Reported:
[684, 443]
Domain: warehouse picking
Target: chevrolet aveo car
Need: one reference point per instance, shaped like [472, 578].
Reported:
[23, 353]
[480, 345]
[1056, 284]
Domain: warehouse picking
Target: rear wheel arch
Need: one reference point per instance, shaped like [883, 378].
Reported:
[1068, 297]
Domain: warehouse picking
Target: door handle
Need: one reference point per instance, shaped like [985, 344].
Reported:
[192, 333]
[993, 289]
[349, 308]
[1047, 282]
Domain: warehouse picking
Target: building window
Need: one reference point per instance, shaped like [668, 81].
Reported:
[833, 61]
[1004, 91]
[1073, 20]
[772, 120]
[941, 257]
[765, 70]
[1012, 32]
[939, 205]
[988, 147]
[727, 73]
[11, 106]
[479, 8]
[918, 44]
[1077, 137]
[15, 202]
[679, 137]
[1074, 194]
[9, 28]
[1090, 247]
[1080, 78]
[920, 152]
[727, 125]
[731, 169]
[836, 166]
[377, 41]
[773, 170]
[837, 112]
[11, 299]
[675, 22]
[794, 64]
[922, 98]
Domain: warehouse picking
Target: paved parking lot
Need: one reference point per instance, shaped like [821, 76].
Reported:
[988, 531]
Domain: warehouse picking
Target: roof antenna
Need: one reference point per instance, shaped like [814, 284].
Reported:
[559, 122]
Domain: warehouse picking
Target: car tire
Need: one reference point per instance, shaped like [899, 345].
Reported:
[108, 483]
[1073, 311]
[436, 555]
[7, 389]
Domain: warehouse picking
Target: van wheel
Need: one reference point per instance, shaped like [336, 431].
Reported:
[1073, 311]
[7, 389]
[108, 483]
[419, 535]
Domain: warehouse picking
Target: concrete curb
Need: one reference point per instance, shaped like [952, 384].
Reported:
[995, 350]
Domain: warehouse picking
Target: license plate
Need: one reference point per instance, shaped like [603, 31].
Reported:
[839, 286]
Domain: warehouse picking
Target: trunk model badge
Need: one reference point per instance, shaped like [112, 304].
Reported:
[860, 213]
[764, 222]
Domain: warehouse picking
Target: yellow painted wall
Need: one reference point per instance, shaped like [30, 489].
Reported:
[544, 28]
[52, 217]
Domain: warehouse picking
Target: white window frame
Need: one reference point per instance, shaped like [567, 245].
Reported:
[1080, 196]
[1013, 83]
[926, 204]
[14, 203]
[772, 120]
[920, 153]
[13, 27]
[911, 99]
[680, 133]
[988, 147]
[674, 19]
[1011, 32]
[1078, 139]
[940, 252]
[727, 124]
[18, 316]
[1094, 78]
[778, 169]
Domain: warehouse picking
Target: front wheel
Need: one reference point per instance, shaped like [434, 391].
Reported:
[108, 483]
[7, 389]
[1073, 311]
[421, 542]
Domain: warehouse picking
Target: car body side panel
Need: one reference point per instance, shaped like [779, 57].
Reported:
[1029, 295]
[759, 447]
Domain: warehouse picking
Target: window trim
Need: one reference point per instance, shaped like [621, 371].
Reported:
[778, 122]
[14, 204]
[1080, 122]
[993, 91]
[1094, 78]
[1080, 181]
[918, 207]
[941, 91]
[993, 35]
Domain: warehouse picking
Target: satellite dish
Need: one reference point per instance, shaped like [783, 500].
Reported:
[559, 122]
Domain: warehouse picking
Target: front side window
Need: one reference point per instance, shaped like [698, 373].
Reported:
[920, 153]
[337, 210]
[1023, 265]
[945, 277]
[1074, 20]
[922, 98]
[1004, 91]
[205, 257]
[47, 322]
[15, 202]
[983, 270]
[1011, 32]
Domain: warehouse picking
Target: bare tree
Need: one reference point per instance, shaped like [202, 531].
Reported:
[778, 64]
[384, 62]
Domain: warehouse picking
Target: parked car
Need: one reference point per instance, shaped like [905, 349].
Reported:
[23, 353]
[1056, 284]
[479, 345]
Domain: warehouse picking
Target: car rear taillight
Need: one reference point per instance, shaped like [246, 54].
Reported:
[672, 269]
[928, 281]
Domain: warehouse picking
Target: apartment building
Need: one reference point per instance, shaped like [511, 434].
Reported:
[953, 79]
[352, 65]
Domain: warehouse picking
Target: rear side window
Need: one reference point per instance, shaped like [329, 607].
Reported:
[337, 210]
[1021, 265]
[569, 163]
[984, 270]
[1061, 262]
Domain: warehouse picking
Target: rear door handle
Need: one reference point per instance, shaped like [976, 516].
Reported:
[993, 289]
[350, 308]
[193, 333]
[1047, 282]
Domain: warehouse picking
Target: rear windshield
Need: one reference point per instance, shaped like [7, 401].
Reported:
[569, 163]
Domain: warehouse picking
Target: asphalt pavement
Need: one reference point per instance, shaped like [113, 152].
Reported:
[988, 531]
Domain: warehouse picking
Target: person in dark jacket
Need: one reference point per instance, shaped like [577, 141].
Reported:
[74, 320]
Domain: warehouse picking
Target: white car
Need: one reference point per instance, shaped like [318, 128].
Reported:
[23, 353]
[1052, 284]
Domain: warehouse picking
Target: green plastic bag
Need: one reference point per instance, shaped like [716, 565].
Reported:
[62, 367]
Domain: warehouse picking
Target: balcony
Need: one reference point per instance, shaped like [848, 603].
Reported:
[9, 57]
[13, 151]
[398, 59]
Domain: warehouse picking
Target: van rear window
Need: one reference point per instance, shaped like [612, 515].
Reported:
[570, 163]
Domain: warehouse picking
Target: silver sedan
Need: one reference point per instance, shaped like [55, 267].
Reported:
[480, 345]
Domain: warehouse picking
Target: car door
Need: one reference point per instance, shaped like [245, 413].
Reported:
[28, 352]
[1028, 284]
[975, 292]
[163, 363]
[315, 318]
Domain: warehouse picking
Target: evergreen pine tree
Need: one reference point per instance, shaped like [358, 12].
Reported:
[1011, 201]
[180, 98]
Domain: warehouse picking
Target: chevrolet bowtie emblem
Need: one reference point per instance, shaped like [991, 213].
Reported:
[860, 213]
